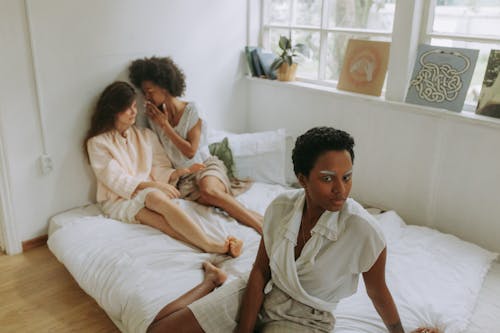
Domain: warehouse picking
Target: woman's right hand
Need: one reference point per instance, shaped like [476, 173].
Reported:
[156, 115]
[171, 191]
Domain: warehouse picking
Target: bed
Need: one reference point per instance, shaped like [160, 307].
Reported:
[132, 271]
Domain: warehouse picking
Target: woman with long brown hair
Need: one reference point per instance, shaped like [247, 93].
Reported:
[135, 177]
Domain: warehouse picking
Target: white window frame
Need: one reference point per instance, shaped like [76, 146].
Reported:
[427, 34]
[323, 29]
[412, 25]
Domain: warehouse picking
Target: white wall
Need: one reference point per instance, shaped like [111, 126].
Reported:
[434, 168]
[81, 46]
[2, 247]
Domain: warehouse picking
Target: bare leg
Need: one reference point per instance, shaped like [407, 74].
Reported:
[168, 217]
[155, 220]
[175, 316]
[213, 193]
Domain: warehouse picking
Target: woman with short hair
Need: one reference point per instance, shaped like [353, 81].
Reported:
[182, 133]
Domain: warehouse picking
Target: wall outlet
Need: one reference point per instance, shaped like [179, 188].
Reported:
[46, 163]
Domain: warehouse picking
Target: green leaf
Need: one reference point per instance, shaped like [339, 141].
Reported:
[276, 64]
[284, 43]
[289, 60]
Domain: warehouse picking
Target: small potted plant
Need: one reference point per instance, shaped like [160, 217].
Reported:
[285, 64]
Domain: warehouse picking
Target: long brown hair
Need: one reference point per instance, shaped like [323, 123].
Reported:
[115, 98]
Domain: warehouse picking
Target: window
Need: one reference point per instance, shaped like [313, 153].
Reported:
[472, 24]
[326, 26]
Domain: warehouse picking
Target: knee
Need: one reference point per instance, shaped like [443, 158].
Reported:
[155, 198]
[210, 194]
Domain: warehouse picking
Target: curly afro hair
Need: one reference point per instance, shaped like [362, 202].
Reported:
[316, 141]
[163, 72]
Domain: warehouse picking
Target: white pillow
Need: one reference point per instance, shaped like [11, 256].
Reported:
[259, 156]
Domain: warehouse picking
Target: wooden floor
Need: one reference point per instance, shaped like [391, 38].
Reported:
[37, 294]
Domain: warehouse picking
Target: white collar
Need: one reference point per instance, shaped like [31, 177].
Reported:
[122, 138]
[329, 225]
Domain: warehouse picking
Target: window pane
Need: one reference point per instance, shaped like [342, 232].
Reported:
[478, 17]
[308, 68]
[337, 44]
[279, 11]
[482, 61]
[361, 14]
[308, 12]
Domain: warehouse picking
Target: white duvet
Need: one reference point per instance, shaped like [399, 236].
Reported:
[133, 271]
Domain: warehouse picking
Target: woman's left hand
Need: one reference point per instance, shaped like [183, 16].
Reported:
[196, 167]
[156, 115]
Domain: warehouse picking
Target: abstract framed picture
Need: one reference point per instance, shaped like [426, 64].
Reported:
[364, 67]
[489, 98]
[441, 76]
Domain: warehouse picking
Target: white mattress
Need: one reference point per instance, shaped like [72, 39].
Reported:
[132, 271]
[435, 280]
[486, 315]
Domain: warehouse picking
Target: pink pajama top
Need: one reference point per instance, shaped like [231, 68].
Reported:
[121, 163]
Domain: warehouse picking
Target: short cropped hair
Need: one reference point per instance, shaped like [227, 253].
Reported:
[163, 72]
[316, 141]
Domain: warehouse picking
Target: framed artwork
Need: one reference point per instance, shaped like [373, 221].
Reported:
[489, 98]
[441, 76]
[364, 67]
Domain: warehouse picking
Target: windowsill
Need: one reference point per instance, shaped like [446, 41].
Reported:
[463, 116]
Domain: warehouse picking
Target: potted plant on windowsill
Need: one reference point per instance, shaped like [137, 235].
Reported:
[285, 64]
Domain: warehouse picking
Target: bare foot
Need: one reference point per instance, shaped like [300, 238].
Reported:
[214, 274]
[235, 246]
[426, 330]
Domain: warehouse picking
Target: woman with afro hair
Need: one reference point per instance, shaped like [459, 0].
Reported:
[182, 133]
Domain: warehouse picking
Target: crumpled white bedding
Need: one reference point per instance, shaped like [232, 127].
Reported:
[486, 315]
[133, 271]
[434, 278]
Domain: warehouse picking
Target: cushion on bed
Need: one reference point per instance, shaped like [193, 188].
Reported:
[259, 156]
[224, 153]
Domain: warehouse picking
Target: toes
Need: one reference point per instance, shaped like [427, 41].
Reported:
[235, 247]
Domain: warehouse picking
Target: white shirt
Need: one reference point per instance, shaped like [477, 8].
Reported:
[188, 120]
[342, 245]
[122, 163]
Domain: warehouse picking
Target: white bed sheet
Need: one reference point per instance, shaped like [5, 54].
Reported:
[435, 280]
[486, 315]
[132, 271]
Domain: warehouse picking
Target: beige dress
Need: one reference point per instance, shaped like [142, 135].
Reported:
[188, 185]
[302, 294]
